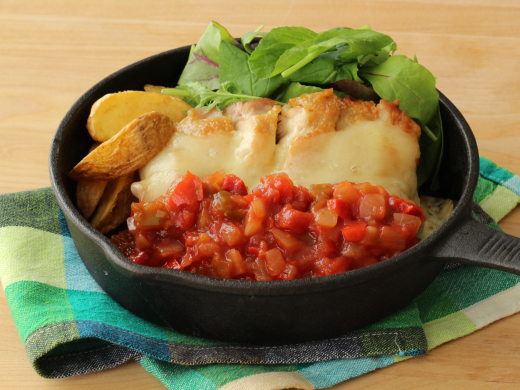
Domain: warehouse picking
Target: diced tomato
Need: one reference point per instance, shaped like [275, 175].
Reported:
[185, 220]
[340, 207]
[140, 257]
[406, 207]
[301, 198]
[234, 184]
[355, 231]
[278, 232]
[186, 193]
[172, 263]
[290, 219]
[282, 183]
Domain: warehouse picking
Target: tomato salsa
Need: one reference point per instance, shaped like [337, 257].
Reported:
[279, 231]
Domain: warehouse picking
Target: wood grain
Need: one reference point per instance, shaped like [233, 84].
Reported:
[53, 51]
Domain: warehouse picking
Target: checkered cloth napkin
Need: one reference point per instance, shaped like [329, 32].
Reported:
[69, 326]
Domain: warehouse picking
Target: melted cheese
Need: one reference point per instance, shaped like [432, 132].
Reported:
[204, 144]
[365, 151]
[201, 155]
[323, 139]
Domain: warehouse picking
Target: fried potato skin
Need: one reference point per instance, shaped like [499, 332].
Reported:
[89, 193]
[114, 207]
[114, 111]
[131, 148]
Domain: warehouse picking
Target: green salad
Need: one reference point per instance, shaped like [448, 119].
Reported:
[290, 61]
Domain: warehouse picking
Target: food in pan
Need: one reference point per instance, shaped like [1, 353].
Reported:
[291, 148]
[279, 231]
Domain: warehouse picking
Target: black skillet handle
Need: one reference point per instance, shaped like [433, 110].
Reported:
[474, 243]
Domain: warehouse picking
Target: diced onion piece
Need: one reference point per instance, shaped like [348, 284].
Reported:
[238, 262]
[259, 208]
[207, 249]
[372, 207]
[367, 188]
[204, 217]
[255, 217]
[231, 234]
[392, 238]
[290, 272]
[222, 266]
[143, 241]
[167, 247]
[254, 224]
[261, 271]
[215, 178]
[409, 222]
[286, 241]
[326, 218]
[147, 221]
[346, 192]
[275, 261]
[371, 236]
[353, 249]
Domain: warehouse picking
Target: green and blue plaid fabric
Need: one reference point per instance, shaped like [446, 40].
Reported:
[69, 326]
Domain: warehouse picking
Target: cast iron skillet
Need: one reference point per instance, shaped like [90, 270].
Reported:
[277, 311]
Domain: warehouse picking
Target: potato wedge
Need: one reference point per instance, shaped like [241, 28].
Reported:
[89, 193]
[114, 111]
[136, 144]
[114, 207]
[154, 89]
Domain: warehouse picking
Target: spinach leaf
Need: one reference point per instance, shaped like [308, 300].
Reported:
[348, 71]
[300, 55]
[319, 71]
[263, 60]
[412, 84]
[202, 63]
[362, 42]
[234, 66]
[357, 44]
[379, 57]
[248, 37]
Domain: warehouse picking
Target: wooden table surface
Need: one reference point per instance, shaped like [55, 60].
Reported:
[52, 51]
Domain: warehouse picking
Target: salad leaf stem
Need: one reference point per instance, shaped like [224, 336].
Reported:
[299, 65]
[175, 92]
